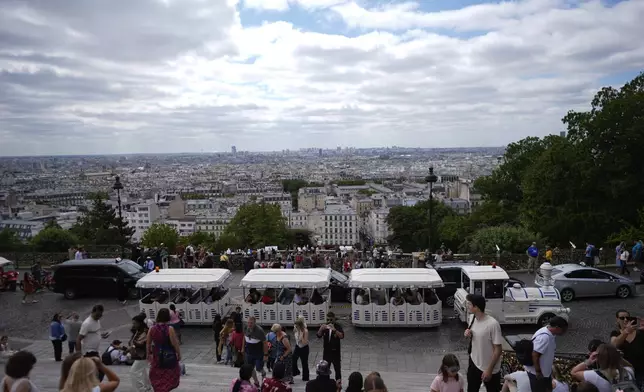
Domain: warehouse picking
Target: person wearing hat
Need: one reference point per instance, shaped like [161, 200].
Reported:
[149, 264]
[323, 381]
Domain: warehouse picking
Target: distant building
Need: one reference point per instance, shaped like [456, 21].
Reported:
[377, 227]
[185, 226]
[24, 229]
[141, 216]
[213, 223]
[340, 226]
[562, 133]
[310, 199]
[233, 150]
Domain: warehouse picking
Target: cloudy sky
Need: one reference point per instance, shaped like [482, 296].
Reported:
[122, 76]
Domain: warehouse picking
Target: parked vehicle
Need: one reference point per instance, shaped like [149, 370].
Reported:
[450, 273]
[509, 305]
[8, 275]
[577, 281]
[74, 278]
[339, 287]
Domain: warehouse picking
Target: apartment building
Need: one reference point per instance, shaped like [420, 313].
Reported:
[283, 200]
[141, 216]
[213, 223]
[24, 229]
[340, 225]
[311, 199]
[185, 226]
[377, 227]
[298, 220]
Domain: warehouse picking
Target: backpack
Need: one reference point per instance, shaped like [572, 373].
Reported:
[533, 251]
[106, 358]
[525, 356]
[594, 252]
[625, 382]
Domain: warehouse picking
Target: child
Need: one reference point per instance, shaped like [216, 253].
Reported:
[225, 349]
[448, 378]
[271, 339]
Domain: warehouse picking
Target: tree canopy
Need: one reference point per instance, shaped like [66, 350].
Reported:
[102, 226]
[9, 241]
[53, 239]
[158, 234]
[257, 225]
[410, 225]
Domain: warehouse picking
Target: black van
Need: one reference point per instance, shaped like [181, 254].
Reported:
[96, 277]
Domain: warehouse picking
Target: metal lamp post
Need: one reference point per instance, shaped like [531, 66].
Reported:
[431, 179]
[118, 187]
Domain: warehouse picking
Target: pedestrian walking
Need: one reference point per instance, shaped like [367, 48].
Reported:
[542, 357]
[217, 327]
[57, 336]
[332, 334]
[622, 259]
[533, 254]
[176, 321]
[164, 351]
[90, 335]
[301, 350]
[29, 288]
[486, 338]
[284, 352]
[72, 329]
[255, 348]
[589, 254]
[137, 348]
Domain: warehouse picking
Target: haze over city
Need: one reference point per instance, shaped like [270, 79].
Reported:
[81, 77]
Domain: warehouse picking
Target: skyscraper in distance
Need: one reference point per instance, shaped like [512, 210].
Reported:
[233, 150]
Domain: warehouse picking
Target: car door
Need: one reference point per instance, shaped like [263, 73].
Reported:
[107, 279]
[582, 282]
[606, 284]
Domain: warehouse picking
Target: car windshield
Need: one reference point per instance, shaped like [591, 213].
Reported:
[556, 271]
[131, 267]
[8, 267]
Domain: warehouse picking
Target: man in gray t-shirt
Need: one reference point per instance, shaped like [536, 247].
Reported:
[72, 328]
[255, 347]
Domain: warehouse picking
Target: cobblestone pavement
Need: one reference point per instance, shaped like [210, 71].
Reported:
[590, 318]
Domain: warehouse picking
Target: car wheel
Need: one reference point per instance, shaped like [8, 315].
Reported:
[567, 295]
[70, 293]
[12, 286]
[449, 301]
[623, 292]
[545, 319]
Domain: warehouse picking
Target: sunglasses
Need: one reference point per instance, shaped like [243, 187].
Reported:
[624, 318]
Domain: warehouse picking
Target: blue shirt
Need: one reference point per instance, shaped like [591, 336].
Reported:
[533, 251]
[56, 330]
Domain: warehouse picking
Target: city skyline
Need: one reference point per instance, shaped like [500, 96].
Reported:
[172, 76]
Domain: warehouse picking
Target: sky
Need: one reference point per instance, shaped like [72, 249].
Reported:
[159, 76]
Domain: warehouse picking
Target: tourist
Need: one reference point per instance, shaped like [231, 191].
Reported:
[323, 382]
[164, 351]
[5, 349]
[374, 383]
[301, 351]
[255, 348]
[138, 354]
[486, 338]
[612, 369]
[533, 253]
[271, 340]
[175, 321]
[82, 377]
[284, 352]
[522, 381]
[332, 333]
[276, 383]
[224, 347]
[90, 335]
[242, 384]
[237, 339]
[16, 373]
[29, 288]
[57, 336]
[622, 259]
[448, 378]
[543, 353]
[66, 367]
[217, 327]
[629, 339]
[73, 328]
[355, 382]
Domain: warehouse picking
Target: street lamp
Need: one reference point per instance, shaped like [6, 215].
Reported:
[431, 179]
[118, 187]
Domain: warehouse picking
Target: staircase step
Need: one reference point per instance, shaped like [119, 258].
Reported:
[217, 378]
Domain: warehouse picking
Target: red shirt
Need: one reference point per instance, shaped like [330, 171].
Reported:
[299, 259]
[274, 385]
[237, 340]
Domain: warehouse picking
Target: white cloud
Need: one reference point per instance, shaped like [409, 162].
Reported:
[192, 77]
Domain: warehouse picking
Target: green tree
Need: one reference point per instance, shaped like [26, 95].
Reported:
[508, 238]
[100, 225]
[199, 238]
[257, 225]
[158, 234]
[293, 186]
[53, 239]
[226, 241]
[9, 241]
[300, 237]
[410, 225]
[350, 182]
